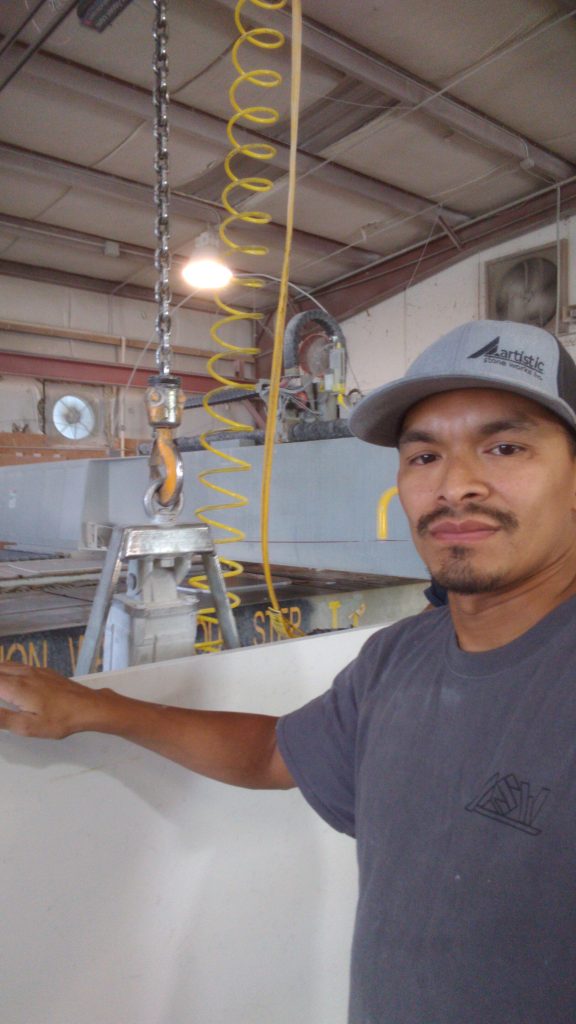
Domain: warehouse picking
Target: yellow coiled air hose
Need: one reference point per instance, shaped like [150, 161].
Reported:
[267, 39]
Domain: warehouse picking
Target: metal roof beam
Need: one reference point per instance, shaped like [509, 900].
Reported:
[121, 289]
[213, 129]
[22, 225]
[49, 275]
[77, 176]
[357, 292]
[83, 371]
[42, 229]
[31, 48]
[364, 65]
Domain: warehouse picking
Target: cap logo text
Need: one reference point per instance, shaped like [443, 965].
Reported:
[514, 358]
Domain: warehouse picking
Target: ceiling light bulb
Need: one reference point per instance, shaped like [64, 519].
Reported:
[207, 273]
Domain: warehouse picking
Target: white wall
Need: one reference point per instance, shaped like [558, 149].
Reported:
[134, 892]
[59, 306]
[20, 405]
[384, 340]
[72, 308]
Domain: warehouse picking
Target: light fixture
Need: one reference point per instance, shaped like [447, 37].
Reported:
[205, 270]
[99, 14]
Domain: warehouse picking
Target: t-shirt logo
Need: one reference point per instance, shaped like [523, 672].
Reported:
[510, 801]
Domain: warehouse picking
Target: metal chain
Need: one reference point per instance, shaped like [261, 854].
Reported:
[164, 397]
[162, 189]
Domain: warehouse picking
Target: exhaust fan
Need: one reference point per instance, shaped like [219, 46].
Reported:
[73, 417]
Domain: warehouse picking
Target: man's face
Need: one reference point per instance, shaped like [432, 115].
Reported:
[488, 482]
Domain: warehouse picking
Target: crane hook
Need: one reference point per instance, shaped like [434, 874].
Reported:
[164, 404]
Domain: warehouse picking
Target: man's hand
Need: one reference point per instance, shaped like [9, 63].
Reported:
[44, 704]
[231, 747]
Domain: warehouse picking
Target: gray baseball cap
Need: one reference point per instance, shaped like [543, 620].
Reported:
[482, 354]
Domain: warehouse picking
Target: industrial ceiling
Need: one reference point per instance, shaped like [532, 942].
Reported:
[428, 131]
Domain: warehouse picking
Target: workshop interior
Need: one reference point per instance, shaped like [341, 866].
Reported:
[222, 224]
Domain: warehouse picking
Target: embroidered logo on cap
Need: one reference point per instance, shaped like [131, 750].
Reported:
[516, 359]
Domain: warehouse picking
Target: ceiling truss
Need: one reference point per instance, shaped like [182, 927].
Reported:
[360, 63]
[354, 275]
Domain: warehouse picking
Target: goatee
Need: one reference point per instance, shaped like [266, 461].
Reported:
[458, 575]
[456, 572]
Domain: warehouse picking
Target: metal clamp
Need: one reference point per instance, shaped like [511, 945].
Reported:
[128, 542]
[164, 405]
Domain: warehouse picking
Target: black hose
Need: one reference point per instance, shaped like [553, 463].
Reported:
[295, 328]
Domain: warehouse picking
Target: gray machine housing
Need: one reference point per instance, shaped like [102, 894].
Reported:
[326, 501]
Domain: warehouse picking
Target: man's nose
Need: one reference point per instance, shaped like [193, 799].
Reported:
[463, 478]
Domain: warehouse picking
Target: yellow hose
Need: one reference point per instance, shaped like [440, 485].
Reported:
[266, 39]
[281, 622]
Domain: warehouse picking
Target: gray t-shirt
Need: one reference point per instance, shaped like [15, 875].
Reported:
[456, 774]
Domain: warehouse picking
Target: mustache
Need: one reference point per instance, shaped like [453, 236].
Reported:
[506, 520]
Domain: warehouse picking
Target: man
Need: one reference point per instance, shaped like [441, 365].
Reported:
[447, 747]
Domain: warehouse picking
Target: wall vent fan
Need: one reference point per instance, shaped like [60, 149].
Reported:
[73, 417]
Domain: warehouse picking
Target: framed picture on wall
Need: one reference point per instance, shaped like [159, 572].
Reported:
[528, 286]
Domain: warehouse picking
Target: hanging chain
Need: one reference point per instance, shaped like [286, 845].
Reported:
[164, 398]
[162, 189]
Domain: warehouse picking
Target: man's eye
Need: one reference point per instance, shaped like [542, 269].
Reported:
[422, 460]
[506, 449]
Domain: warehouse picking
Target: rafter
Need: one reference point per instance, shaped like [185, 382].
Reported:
[358, 62]
[84, 371]
[87, 240]
[212, 129]
[50, 275]
[357, 292]
[78, 176]
[23, 225]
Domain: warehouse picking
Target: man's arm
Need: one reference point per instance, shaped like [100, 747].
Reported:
[239, 749]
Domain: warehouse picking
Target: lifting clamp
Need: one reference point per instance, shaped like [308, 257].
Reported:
[164, 405]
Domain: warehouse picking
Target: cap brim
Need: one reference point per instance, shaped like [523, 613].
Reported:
[378, 418]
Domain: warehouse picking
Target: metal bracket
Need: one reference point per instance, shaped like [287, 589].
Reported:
[157, 541]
